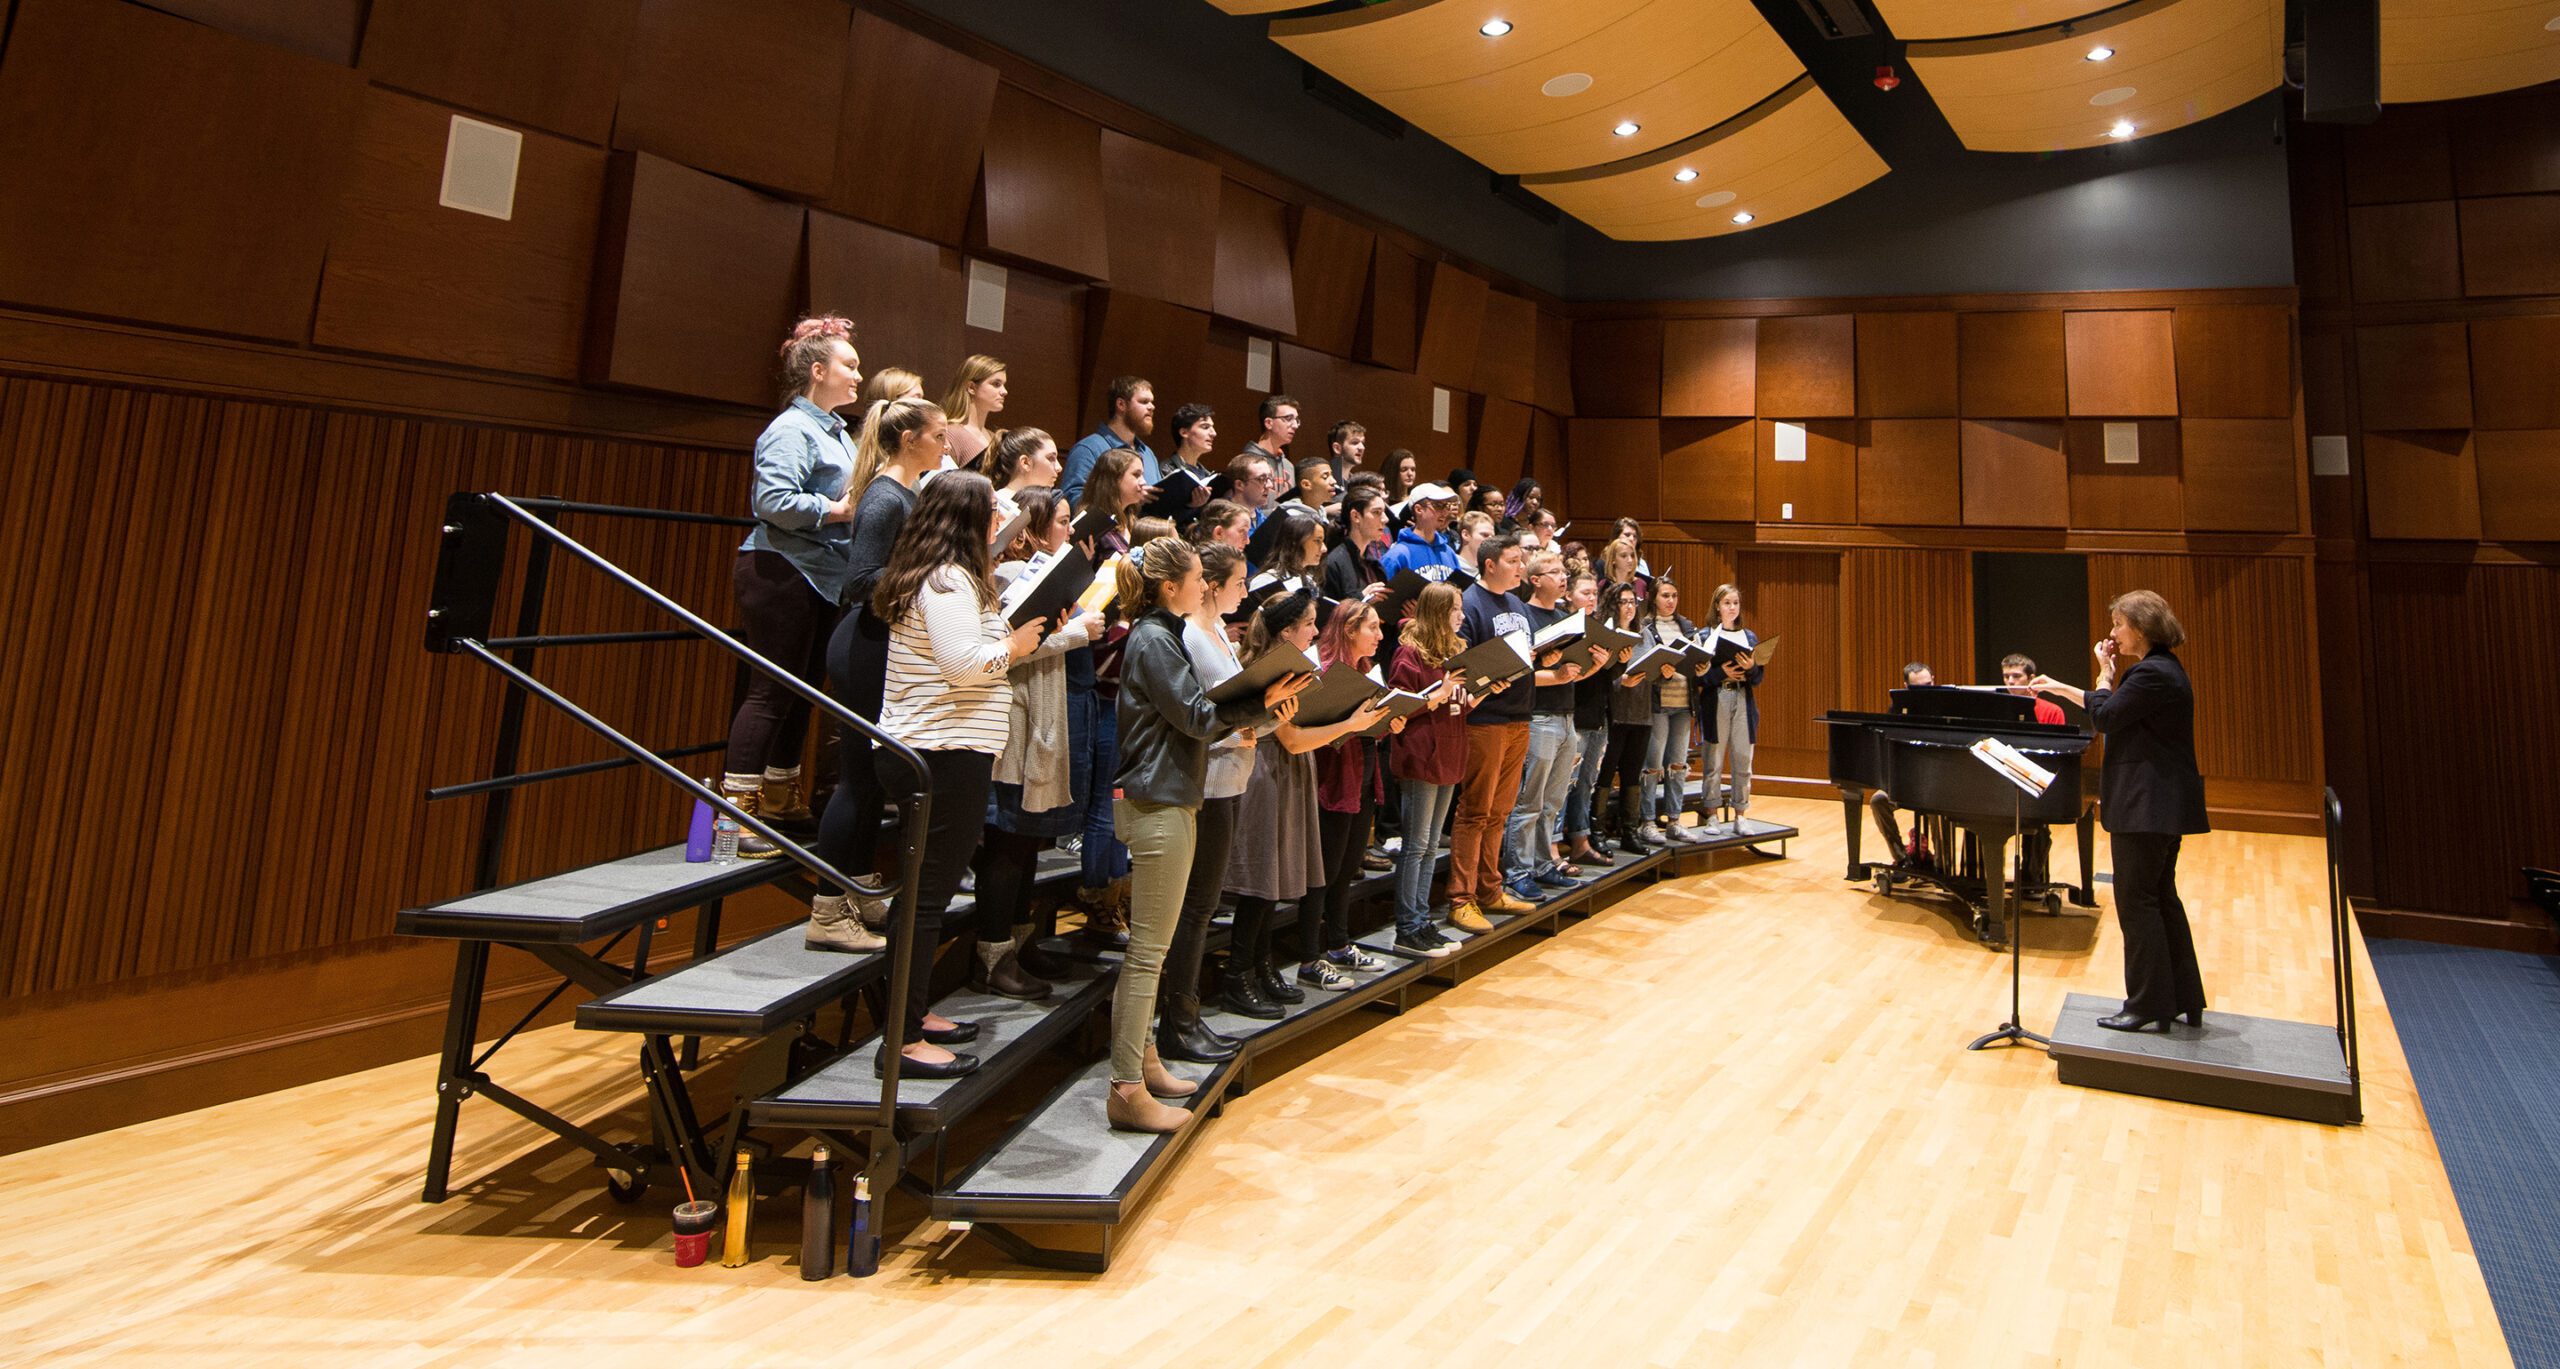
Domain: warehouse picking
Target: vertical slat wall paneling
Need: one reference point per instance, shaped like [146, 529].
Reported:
[915, 126]
[1040, 193]
[254, 140]
[1807, 367]
[2432, 804]
[1555, 364]
[1391, 324]
[1329, 260]
[323, 29]
[1452, 327]
[2120, 363]
[1795, 594]
[2519, 611]
[408, 277]
[1507, 349]
[1900, 604]
[1707, 470]
[1043, 342]
[907, 298]
[1617, 368]
[1142, 336]
[731, 89]
[697, 282]
[1253, 277]
[1161, 212]
[505, 59]
[255, 706]
[1710, 367]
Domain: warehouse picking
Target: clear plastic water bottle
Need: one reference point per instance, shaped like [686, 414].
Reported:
[724, 839]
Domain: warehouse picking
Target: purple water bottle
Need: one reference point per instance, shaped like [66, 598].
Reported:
[697, 838]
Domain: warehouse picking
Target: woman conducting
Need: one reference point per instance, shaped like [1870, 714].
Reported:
[2151, 796]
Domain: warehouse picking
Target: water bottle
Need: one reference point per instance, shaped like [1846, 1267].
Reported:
[724, 839]
[742, 1212]
[818, 1219]
[697, 837]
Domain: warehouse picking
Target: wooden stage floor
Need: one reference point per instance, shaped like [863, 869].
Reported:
[1727, 1121]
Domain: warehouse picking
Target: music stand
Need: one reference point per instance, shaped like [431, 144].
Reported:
[2029, 778]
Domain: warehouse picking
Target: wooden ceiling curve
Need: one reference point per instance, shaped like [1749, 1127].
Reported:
[1792, 153]
[2454, 49]
[1919, 21]
[2174, 62]
[1668, 67]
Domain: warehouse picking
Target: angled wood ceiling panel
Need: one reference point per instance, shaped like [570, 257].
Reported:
[1915, 21]
[1791, 154]
[1673, 67]
[2176, 62]
[2453, 49]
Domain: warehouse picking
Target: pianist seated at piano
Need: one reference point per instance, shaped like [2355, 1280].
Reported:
[1915, 675]
[2150, 797]
[2016, 669]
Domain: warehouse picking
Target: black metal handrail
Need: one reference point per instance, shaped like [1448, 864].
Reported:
[2342, 944]
[467, 576]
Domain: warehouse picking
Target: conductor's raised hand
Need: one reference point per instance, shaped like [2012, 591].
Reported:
[2043, 684]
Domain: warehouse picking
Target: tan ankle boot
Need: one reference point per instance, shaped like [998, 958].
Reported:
[751, 845]
[833, 927]
[786, 804]
[1164, 1083]
[1131, 1109]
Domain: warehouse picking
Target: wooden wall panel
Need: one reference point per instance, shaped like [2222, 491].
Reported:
[2404, 157]
[252, 141]
[1548, 461]
[325, 29]
[1043, 342]
[1808, 366]
[1617, 466]
[1707, 469]
[1908, 472]
[2015, 474]
[1507, 349]
[1041, 187]
[2511, 245]
[1396, 407]
[408, 277]
[1500, 454]
[2432, 830]
[2235, 361]
[914, 132]
[1796, 595]
[2145, 494]
[1822, 488]
[1329, 274]
[1907, 365]
[2249, 651]
[2404, 251]
[2414, 375]
[1555, 363]
[2010, 365]
[1452, 326]
[1252, 281]
[2241, 474]
[1901, 604]
[2507, 144]
[2121, 363]
[1139, 335]
[506, 59]
[2519, 485]
[697, 282]
[908, 299]
[1710, 367]
[2515, 372]
[730, 88]
[2421, 485]
[1391, 325]
[1161, 210]
[1218, 383]
[1617, 367]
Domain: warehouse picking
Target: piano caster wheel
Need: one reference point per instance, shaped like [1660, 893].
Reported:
[2053, 903]
[1883, 880]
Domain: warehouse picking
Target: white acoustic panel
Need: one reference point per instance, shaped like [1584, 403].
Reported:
[1257, 365]
[480, 168]
[2328, 456]
[2124, 444]
[986, 296]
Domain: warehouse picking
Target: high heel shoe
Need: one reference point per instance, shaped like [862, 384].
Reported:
[2132, 1022]
[2193, 1019]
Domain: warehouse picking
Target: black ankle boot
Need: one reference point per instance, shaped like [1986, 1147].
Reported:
[1179, 1035]
[1275, 985]
[1240, 992]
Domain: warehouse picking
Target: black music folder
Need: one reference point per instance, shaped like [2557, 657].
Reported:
[1174, 490]
[1401, 592]
[1274, 665]
[1491, 662]
[1336, 695]
[1401, 703]
[1048, 588]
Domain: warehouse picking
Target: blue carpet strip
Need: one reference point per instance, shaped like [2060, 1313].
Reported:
[2482, 1032]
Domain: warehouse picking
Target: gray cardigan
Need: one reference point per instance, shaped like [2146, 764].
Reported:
[1166, 719]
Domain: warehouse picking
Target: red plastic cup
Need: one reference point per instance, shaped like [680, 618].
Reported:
[695, 1221]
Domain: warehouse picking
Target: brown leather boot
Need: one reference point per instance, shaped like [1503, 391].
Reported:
[751, 844]
[999, 971]
[786, 804]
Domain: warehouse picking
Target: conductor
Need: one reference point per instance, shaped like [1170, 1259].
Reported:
[2151, 796]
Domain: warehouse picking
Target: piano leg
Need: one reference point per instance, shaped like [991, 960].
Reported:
[1853, 821]
[2086, 896]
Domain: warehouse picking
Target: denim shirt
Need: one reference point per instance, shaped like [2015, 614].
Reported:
[802, 462]
[1080, 459]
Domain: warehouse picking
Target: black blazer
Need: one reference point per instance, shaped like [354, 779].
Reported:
[2150, 783]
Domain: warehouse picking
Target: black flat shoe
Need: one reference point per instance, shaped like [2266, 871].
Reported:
[2132, 1022]
[957, 1034]
[912, 1068]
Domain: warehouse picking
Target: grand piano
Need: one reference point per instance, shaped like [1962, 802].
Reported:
[1919, 754]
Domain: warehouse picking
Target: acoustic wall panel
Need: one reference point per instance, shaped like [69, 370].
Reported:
[1329, 275]
[1043, 344]
[2120, 363]
[1161, 211]
[506, 59]
[908, 299]
[2010, 365]
[1808, 366]
[914, 130]
[1452, 326]
[1139, 335]
[1908, 472]
[1708, 469]
[2414, 375]
[1507, 348]
[1907, 365]
[1617, 466]
[2519, 485]
[325, 29]
[1710, 367]
[1391, 326]
[741, 88]
[1041, 187]
[2421, 485]
[2235, 360]
[2241, 474]
[697, 281]
[1617, 367]
[1253, 282]
[1820, 488]
[2143, 494]
[2511, 245]
[2404, 251]
[2015, 474]
[2513, 383]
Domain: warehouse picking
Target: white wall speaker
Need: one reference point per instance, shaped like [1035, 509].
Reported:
[1257, 365]
[986, 296]
[480, 168]
[1439, 410]
[2124, 444]
[2328, 456]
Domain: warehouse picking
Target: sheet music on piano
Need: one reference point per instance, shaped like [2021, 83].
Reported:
[2012, 765]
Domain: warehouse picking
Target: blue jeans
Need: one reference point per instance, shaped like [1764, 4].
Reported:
[1426, 811]
[1543, 780]
[1093, 736]
[1666, 761]
[1594, 746]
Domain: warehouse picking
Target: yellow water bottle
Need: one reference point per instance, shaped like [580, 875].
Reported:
[742, 1212]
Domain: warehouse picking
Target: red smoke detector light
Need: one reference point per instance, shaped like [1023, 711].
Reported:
[1886, 79]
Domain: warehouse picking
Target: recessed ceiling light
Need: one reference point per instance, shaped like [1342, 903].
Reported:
[2115, 96]
[1626, 128]
[1685, 175]
[1495, 28]
[1718, 200]
[2101, 53]
[2123, 129]
[1570, 83]
[1742, 216]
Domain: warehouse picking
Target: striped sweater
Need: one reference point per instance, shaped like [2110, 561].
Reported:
[947, 684]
